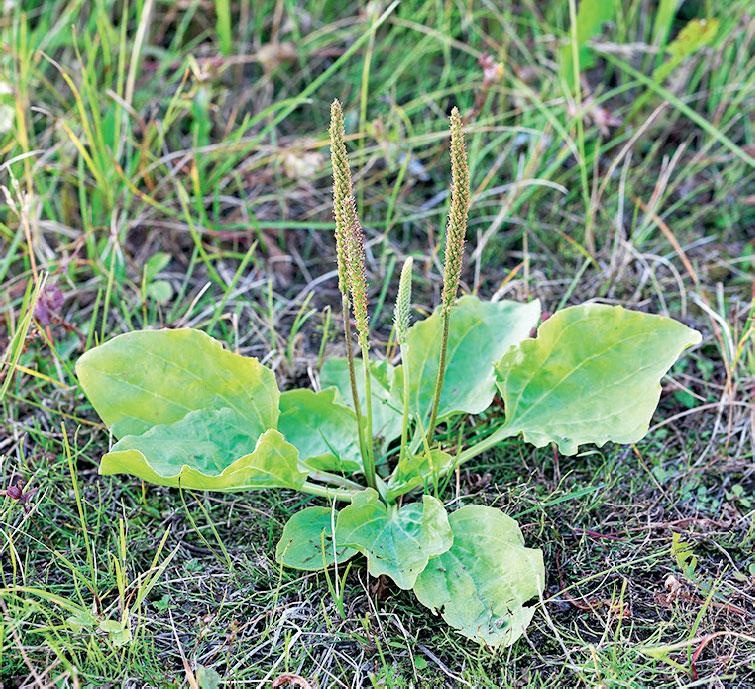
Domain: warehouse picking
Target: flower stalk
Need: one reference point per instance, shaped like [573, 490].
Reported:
[357, 277]
[352, 283]
[456, 231]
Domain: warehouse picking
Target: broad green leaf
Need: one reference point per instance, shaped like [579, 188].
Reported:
[324, 432]
[207, 677]
[418, 470]
[591, 375]
[307, 541]
[206, 451]
[386, 411]
[206, 440]
[80, 621]
[482, 584]
[478, 335]
[147, 378]
[397, 541]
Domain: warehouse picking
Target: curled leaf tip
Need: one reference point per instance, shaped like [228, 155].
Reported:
[457, 216]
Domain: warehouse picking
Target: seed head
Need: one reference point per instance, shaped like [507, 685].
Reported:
[457, 216]
[341, 191]
[402, 310]
[356, 273]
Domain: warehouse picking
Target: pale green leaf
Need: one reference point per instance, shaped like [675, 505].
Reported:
[591, 375]
[80, 621]
[206, 451]
[324, 431]
[111, 626]
[154, 377]
[479, 333]
[307, 541]
[482, 585]
[160, 290]
[118, 632]
[397, 541]
[206, 440]
[156, 263]
[416, 471]
[386, 411]
[207, 677]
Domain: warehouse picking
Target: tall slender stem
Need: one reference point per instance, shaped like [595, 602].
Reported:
[365, 443]
[441, 374]
[369, 455]
[401, 318]
[352, 280]
[346, 306]
[405, 414]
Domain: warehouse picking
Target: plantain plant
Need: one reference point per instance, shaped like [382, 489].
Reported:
[188, 413]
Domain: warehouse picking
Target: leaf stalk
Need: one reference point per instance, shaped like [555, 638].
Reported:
[491, 441]
[335, 480]
[341, 494]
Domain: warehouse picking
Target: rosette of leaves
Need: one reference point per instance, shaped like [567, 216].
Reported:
[186, 412]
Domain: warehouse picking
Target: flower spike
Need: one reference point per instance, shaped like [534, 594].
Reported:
[454, 254]
[352, 282]
[456, 229]
[356, 270]
[401, 317]
[341, 191]
[402, 311]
